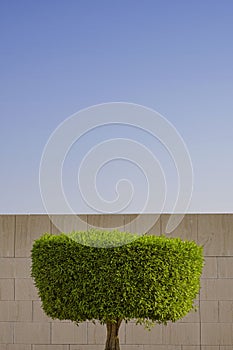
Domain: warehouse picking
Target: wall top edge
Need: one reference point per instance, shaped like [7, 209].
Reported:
[109, 214]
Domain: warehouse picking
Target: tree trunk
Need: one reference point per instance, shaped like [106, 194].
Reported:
[112, 342]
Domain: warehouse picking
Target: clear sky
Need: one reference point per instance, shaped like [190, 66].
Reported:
[58, 57]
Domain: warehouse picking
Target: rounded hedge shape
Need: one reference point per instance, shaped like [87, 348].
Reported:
[83, 276]
[153, 277]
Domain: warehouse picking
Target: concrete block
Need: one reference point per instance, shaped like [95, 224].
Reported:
[18, 347]
[187, 229]
[50, 347]
[162, 347]
[107, 222]
[101, 347]
[191, 317]
[210, 268]
[15, 267]
[6, 332]
[226, 311]
[217, 333]
[198, 347]
[7, 289]
[7, 233]
[132, 347]
[181, 334]
[39, 314]
[216, 234]
[217, 289]
[68, 223]
[97, 333]
[209, 311]
[25, 289]
[31, 333]
[15, 311]
[15, 347]
[225, 267]
[137, 334]
[69, 333]
[29, 228]
[86, 347]
[137, 223]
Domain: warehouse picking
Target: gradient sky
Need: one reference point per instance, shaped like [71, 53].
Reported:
[58, 57]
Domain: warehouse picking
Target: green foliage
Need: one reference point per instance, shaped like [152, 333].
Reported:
[151, 278]
[103, 239]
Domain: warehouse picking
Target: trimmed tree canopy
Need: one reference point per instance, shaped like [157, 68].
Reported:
[112, 276]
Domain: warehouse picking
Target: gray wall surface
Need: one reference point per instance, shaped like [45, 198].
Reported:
[24, 326]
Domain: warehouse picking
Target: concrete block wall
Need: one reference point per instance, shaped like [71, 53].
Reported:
[24, 326]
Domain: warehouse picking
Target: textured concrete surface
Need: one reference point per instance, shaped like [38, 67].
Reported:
[24, 326]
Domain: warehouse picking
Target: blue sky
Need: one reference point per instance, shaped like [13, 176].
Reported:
[58, 57]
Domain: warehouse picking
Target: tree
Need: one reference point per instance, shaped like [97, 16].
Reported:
[114, 276]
